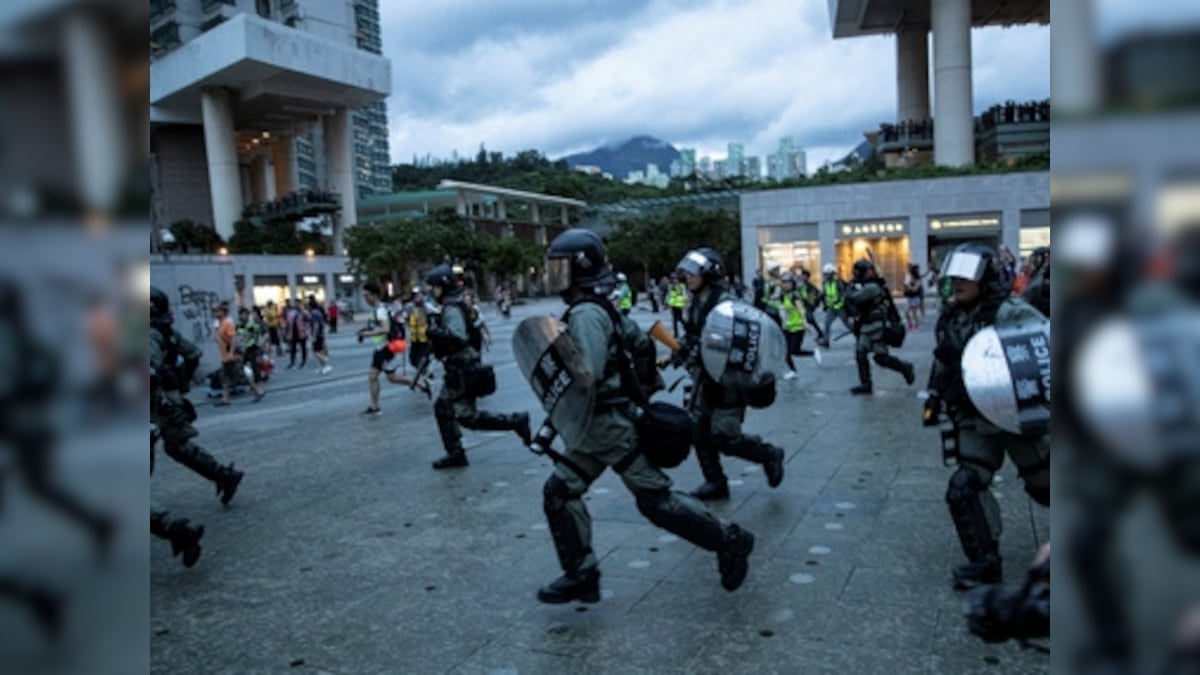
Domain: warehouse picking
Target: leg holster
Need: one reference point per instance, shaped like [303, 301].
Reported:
[443, 413]
[707, 452]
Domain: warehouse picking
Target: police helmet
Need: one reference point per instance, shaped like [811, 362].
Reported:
[704, 262]
[443, 277]
[788, 278]
[973, 262]
[864, 269]
[621, 276]
[160, 307]
[830, 268]
[579, 258]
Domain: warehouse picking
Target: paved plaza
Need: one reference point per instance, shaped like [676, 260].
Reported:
[344, 552]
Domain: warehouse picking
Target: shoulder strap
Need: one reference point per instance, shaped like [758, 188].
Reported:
[629, 380]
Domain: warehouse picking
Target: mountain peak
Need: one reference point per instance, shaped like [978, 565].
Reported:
[632, 154]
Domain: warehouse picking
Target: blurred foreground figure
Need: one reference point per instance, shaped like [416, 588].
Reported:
[27, 387]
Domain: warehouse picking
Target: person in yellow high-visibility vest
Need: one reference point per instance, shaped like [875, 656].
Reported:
[624, 294]
[792, 312]
[834, 300]
[676, 300]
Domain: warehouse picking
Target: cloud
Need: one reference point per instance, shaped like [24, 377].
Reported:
[564, 77]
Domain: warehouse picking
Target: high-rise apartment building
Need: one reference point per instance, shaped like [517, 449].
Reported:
[790, 161]
[251, 100]
[735, 162]
[687, 161]
[753, 169]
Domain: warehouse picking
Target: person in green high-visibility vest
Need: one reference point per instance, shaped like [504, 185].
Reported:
[792, 311]
[624, 294]
[833, 298]
[811, 295]
[676, 300]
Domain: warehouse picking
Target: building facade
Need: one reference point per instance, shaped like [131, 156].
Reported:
[252, 100]
[898, 222]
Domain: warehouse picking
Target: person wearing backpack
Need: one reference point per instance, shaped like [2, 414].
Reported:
[456, 341]
[316, 322]
[578, 270]
[382, 331]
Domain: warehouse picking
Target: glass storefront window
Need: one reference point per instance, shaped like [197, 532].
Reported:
[891, 257]
[1033, 237]
[793, 255]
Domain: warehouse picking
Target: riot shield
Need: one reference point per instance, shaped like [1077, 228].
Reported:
[1006, 372]
[552, 364]
[740, 345]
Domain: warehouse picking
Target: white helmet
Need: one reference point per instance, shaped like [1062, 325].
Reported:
[829, 268]
[621, 276]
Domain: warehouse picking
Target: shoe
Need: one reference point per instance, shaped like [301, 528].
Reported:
[523, 429]
[258, 396]
[910, 374]
[451, 461]
[773, 468]
[990, 570]
[325, 370]
[861, 390]
[227, 485]
[185, 541]
[290, 366]
[817, 356]
[371, 411]
[584, 586]
[789, 375]
[733, 560]
[711, 490]
[220, 404]
[823, 343]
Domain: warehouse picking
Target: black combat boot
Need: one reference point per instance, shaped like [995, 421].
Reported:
[773, 467]
[518, 422]
[583, 586]
[227, 483]
[712, 490]
[988, 570]
[864, 375]
[899, 365]
[733, 560]
[185, 540]
[452, 460]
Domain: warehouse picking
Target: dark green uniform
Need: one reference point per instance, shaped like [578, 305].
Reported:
[455, 404]
[172, 362]
[612, 441]
[719, 412]
[981, 445]
[868, 301]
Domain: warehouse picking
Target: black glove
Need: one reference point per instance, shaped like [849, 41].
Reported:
[933, 411]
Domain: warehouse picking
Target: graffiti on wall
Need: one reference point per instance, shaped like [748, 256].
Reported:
[196, 307]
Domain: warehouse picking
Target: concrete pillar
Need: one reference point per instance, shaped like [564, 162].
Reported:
[101, 151]
[1010, 230]
[283, 156]
[827, 235]
[247, 186]
[953, 121]
[1074, 59]
[563, 216]
[534, 212]
[220, 146]
[258, 179]
[460, 204]
[339, 160]
[291, 285]
[912, 74]
[501, 211]
[918, 239]
[269, 177]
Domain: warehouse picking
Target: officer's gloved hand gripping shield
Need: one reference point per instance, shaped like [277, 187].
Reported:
[554, 367]
[742, 348]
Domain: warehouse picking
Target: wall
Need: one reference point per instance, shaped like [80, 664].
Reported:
[195, 288]
[182, 174]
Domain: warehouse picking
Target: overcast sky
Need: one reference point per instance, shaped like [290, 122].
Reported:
[563, 76]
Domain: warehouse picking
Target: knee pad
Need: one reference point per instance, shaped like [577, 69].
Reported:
[964, 487]
[555, 495]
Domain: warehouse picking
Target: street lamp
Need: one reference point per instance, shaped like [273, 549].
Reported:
[309, 253]
[223, 251]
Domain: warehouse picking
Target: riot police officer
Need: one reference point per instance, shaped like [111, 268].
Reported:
[456, 342]
[184, 537]
[719, 412]
[173, 360]
[870, 303]
[578, 269]
[1037, 293]
[981, 299]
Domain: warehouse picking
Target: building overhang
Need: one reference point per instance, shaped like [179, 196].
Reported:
[853, 18]
[478, 191]
[281, 77]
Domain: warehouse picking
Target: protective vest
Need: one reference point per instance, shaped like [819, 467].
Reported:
[418, 325]
[248, 335]
[626, 299]
[834, 298]
[676, 296]
[792, 313]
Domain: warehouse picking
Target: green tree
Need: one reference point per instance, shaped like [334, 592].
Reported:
[509, 258]
[654, 244]
[192, 237]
